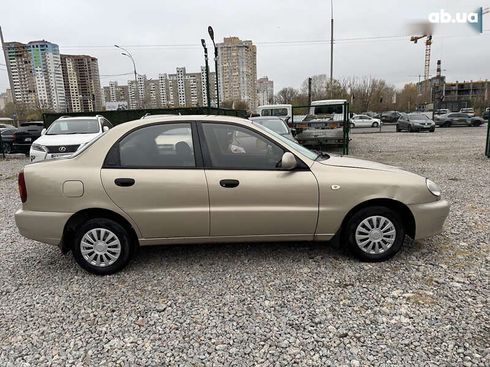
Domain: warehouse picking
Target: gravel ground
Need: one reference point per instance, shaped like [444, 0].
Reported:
[267, 304]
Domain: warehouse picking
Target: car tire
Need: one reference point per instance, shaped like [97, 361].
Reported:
[432, 129]
[375, 124]
[410, 128]
[383, 241]
[352, 125]
[6, 148]
[398, 129]
[107, 246]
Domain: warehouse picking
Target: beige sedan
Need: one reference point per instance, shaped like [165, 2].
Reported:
[197, 179]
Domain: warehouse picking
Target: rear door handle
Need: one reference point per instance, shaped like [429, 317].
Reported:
[229, 183]
[124, 182]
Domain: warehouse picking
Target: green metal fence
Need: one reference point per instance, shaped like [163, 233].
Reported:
[119, 117]
[487, 147]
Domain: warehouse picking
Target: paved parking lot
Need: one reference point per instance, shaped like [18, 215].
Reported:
[267, 304]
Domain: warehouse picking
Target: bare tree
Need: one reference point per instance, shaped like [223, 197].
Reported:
[286, 95]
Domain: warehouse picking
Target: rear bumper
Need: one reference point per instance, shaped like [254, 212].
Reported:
[44, 227]
[429, 217]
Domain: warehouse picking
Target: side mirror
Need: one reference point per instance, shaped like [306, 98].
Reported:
[288, 161]
[43, 131]
[105, 128]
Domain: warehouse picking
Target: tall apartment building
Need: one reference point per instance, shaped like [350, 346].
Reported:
[237, 71]
[184, 89]
[82, 83]
[35, 74]
[265, 91]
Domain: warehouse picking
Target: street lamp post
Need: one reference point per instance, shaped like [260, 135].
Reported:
[331, 47]
[203, 43]
[128, 54]
[211, 34]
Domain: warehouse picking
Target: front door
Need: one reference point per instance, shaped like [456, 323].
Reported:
[154, 175]
[249, 195]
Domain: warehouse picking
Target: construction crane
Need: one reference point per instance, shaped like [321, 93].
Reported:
[428, 43]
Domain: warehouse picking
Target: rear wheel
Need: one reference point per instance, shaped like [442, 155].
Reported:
[375, 233]
[352, 125]
[102, 246]
[410, 128]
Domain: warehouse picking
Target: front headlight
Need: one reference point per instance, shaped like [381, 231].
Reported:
[39, 148]
[433, 187]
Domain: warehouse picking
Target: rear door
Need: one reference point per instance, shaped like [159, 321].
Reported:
[155, 175]
[249, 195]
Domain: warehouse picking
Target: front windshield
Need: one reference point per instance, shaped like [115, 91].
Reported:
[78, 126]
[418, 117]
[274, 125]
[301, 149]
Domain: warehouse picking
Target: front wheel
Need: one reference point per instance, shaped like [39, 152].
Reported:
[375, 233]
[6, 148]
[102, 246]
[375, 124]
[432, 129]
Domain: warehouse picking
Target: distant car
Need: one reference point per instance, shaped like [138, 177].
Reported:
[415, 122]
[390, 116]
[25, 135]
[372, 114]
[441, 111]
[66, 135]
[364, 121]
[486, 114]
[469, 111]
[7, 139]
[275, 124]
[477, 121]
[454, 119]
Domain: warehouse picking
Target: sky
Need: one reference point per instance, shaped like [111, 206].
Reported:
[372, 38]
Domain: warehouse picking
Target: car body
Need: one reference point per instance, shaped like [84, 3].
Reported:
[25, 135]
[364, 121]
[276, 124]
[415, 121]
[468, 111]
[66, 135]
[390, 116]
[453, 119]
[236, 182]
[8, 135]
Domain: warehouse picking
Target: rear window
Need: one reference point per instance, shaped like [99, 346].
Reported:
[328, 110]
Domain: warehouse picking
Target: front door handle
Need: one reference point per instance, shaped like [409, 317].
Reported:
[124, 182]
[229, 183]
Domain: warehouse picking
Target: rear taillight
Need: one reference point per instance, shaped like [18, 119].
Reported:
[22, 186]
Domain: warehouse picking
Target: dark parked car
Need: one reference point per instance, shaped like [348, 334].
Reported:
[7, 139]
[415, 122]
[456, 119]
[25, 135]
[486, 114]
[390, 116]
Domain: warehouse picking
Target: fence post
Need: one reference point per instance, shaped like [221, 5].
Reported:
[487, 147]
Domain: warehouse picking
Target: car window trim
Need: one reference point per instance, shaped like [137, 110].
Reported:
[198, 159]
[302, 166]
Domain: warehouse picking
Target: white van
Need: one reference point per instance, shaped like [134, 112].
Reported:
[333, 107]
[284, 111]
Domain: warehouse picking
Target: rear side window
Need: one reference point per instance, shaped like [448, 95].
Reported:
[158, 146]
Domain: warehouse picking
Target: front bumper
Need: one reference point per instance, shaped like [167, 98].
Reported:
[429, 217]
[46, 227]
[37, 155]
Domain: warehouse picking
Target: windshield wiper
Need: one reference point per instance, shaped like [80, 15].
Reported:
[321, 155]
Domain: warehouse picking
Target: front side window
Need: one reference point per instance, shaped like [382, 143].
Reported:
[158, 146]
[235, 147]
[77, 126]
[266, 112]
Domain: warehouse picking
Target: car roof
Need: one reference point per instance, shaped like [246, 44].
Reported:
[181, 118]
[328, 102]
[78, 118]
[265, 118]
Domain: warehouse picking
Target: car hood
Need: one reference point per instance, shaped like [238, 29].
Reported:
[68, 139]
[349, 162]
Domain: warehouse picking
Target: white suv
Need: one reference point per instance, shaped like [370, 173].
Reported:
[66, 135]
